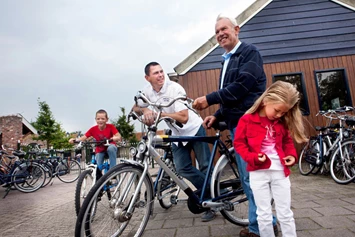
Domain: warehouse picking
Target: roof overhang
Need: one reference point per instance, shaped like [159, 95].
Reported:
[346, 3]
[28, 125]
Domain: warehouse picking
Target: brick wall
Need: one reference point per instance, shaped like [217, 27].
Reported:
[11, 128]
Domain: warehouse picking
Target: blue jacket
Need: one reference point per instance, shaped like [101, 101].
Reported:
[244, 82]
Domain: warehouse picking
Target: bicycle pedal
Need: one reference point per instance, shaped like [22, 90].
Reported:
[228, 206]
[141, 204]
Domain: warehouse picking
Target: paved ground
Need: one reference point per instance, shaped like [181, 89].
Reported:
[321, 207]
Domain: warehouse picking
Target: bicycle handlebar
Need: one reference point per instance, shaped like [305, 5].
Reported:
[159, 106]
[334, 113]
[105, 142]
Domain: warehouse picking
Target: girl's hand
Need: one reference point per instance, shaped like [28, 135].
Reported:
[261, 157]
[289, 160]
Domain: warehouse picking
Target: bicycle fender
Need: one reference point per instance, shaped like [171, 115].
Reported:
[222, 161]
[91, 166]
[132, 162]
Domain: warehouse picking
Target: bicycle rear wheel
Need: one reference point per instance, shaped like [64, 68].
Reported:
[84, 185]
[166, 188]
[342, 164]
[311, 150]
[29, 177]
[104, 210]
[227, 181]
[68, 170]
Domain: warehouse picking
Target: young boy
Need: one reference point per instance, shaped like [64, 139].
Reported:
[103, 131]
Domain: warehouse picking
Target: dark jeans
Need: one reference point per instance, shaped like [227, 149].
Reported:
[183, 163]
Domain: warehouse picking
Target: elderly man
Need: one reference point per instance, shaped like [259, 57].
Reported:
[242, 81]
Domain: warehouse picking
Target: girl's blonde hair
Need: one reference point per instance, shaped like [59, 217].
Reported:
[284, 92]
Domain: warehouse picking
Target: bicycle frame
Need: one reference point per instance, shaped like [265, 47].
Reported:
[197, 204]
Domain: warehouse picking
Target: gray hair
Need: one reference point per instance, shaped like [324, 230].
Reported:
[231, 19]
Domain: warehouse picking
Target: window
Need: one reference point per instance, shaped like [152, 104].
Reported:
[333, 89]
[297, 80]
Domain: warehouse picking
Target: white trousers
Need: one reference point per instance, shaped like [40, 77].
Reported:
[268, 184]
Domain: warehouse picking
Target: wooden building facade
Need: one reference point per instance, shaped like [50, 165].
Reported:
[308, 43]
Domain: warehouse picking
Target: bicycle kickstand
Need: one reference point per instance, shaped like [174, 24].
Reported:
[7, 191]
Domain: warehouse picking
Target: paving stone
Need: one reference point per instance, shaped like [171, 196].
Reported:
[332, 232]
[334, 221]
[197, 231]
[305, 212]
[333, 211]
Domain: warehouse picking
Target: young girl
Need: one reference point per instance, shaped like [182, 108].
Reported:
[263, 139]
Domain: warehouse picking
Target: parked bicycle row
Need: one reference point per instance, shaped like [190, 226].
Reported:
[332, 150]
[36, 171]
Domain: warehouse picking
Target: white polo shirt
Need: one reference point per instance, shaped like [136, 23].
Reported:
[169, 91]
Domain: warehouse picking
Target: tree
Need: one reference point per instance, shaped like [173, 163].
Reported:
[49, 129]
[126, 129]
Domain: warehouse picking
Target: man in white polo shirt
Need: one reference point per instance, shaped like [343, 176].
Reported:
[164, 90]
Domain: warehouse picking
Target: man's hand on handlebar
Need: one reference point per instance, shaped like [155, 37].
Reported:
[149, 117]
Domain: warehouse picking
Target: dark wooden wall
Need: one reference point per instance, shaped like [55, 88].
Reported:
[200, 83]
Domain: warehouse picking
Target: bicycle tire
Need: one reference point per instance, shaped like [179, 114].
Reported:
[83, 186]
[227, 179]
[49, 174]
[305, 168]
[109, 212]
[342, 169]
[166, 187]
[68, 173]
[29, 177]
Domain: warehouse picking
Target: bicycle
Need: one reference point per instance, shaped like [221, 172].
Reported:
[65, 169]
[319, 152]
[88, 177]
[133, 197]
[25, 176]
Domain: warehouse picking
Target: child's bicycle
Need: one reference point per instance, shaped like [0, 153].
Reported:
[91, 174]
[131, 204]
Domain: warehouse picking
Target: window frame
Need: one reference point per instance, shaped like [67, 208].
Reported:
[305, 111]
[349, 100]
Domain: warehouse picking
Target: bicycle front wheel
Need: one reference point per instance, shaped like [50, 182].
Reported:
[342, 164]
[227, 182]
[83, 186]
[68, 171]
[105, 210]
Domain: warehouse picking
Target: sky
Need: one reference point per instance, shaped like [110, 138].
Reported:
[83, 55]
